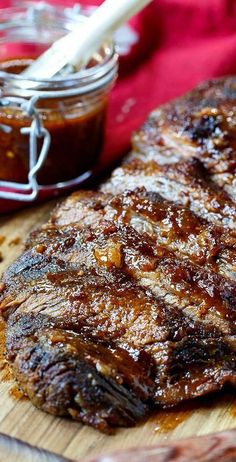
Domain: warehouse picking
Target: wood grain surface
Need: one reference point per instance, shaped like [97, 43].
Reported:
[19, 418]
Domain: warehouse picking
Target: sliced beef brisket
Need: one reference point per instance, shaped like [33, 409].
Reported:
[126, 298]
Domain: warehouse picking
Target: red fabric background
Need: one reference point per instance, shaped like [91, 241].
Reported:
[182, 42]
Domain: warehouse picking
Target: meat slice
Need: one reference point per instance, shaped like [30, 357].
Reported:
[172, 227]
[66, 374]
[200, 124]
[185, 182]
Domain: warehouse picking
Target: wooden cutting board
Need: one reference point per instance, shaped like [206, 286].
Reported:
[20, 419]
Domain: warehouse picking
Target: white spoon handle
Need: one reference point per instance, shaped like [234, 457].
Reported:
[77, 47]
[106, 19]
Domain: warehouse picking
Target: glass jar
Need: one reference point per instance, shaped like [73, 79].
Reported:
[51, 131]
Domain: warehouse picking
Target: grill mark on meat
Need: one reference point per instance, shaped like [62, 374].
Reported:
[125, 299]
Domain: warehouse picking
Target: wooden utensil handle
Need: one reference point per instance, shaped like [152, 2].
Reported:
[14, 450]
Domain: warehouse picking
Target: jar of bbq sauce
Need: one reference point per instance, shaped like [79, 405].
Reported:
[51, 131]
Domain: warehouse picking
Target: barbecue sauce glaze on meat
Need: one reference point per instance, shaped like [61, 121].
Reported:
[125, 299]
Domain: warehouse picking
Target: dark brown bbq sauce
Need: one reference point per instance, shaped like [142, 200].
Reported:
[76, 126]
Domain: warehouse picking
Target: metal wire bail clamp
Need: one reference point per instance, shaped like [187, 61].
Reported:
[35, 131]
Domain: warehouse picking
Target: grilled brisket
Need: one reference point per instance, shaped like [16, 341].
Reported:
[125, 299]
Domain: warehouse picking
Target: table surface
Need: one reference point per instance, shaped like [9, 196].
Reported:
[19, 418]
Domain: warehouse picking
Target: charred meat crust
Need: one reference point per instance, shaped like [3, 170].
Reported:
[65, 374]
[200, 124]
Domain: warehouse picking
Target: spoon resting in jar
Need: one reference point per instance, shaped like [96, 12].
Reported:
[73, 51]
